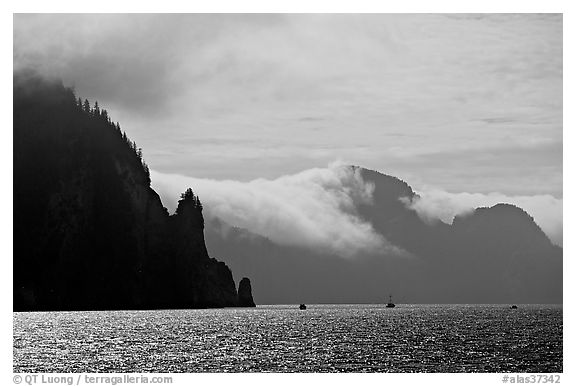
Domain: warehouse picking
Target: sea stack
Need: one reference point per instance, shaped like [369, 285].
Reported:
[245, 294]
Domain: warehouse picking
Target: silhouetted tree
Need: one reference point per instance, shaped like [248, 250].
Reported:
[189, 195]
[86, 106]
[146, 171]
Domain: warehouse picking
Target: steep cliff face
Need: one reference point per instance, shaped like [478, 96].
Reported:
[388, 214]
[245, 293]
[89, 231]
[207, 280]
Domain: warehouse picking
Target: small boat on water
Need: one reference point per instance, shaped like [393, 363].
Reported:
[302, 306]
[513, 307]
[390, 304]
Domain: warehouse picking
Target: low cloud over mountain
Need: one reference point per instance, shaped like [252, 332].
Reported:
[435, 204]
[315, 208]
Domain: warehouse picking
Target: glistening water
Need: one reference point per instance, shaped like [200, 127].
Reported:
[323, 338]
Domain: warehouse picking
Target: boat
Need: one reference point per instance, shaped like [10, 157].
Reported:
[390, 304]
[302, 306]
[513, 307]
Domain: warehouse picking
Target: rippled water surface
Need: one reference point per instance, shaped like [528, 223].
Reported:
[408, 338]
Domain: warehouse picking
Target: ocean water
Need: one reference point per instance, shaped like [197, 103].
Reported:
[323, 338]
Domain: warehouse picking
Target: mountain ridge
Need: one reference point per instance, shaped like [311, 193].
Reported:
[489, 255]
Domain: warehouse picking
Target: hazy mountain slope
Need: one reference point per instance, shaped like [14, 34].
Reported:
[89, 232]
[493, 255]
[284, 274]
[502, 250]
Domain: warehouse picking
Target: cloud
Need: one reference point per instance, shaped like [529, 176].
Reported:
[313, 209]
[416, 90]
[535, 166]
[434, 204]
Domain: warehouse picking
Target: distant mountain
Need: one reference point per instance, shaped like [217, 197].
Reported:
[89, 231]
[492, 255]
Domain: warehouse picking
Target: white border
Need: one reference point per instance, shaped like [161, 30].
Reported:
[294, 6]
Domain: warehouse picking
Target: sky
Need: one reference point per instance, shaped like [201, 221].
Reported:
[466, 108]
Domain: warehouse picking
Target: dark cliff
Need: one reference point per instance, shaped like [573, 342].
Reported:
[245, 293]
[89, 231]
